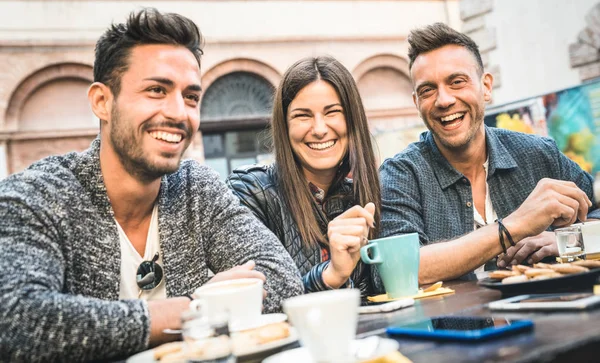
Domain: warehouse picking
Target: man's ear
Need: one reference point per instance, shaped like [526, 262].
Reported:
[100, 98]
[488, 82]
[414, 97]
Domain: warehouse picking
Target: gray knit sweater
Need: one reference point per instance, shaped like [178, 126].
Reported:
[60, 257]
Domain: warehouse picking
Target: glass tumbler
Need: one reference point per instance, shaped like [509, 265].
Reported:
[206, 338]
[569, 241]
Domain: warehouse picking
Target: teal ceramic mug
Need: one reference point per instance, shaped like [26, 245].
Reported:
[397, 261]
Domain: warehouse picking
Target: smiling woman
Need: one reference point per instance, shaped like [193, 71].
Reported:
[321, 197]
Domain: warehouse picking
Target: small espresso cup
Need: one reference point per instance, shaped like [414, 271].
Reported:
[326, 322]
[241, 299]
[397, 261]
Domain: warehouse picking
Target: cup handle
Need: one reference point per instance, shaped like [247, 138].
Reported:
[364, 255]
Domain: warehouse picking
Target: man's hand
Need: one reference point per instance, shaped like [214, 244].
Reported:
[552, 203]
[347, 234]
[244, 271]
[165, 314]
[531, 248]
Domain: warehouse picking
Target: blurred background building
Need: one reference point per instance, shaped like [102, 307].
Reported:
[46, 57]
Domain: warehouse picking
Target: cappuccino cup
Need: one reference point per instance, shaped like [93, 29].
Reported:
[240, 299]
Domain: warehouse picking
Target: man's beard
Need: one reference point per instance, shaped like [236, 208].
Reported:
[130, 151]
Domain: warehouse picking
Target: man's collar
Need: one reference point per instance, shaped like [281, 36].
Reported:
[447, 175]
[499, 156]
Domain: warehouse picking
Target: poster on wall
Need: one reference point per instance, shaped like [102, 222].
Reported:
[571, 117]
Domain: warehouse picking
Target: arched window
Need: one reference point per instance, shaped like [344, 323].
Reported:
[234, 112]
[48, 114]
[238, 95]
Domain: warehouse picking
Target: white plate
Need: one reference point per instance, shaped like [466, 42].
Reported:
[148, 355]
[386, 346]
[264, 319]
[293, 337]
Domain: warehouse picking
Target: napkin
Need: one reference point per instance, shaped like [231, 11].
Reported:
[421, 294]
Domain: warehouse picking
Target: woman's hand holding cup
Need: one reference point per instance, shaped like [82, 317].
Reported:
[347, 234]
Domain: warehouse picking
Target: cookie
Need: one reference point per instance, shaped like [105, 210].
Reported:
[547, 276]
[587, 263]
[272, 332]
[532, 272]
[567, 268]
[167, 348]
[501, 274]
[175, 357]
[520, 268]
[515, 279]
[541, 265]
[264, 334]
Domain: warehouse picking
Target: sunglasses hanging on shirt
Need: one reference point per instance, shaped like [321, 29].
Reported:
[149, 274]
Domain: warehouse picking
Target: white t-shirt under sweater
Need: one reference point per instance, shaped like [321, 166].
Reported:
[131, 259]
[490, 213]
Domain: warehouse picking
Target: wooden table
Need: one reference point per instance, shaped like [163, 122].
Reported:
[557, 337]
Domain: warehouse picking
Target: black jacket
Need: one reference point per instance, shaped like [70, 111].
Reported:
[256, 187]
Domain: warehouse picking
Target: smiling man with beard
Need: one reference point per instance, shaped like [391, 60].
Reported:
[472, 192]
[100, 250]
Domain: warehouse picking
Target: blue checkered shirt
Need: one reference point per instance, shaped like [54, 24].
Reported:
[423, 193]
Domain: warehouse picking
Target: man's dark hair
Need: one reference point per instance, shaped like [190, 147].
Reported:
[435, 36]
[147, 26]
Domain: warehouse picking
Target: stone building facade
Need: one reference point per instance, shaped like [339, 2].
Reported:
[46, 56]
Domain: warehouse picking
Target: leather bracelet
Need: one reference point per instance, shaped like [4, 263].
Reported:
[506, 232]
[501, 236]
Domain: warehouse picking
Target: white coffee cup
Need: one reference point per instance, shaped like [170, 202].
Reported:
[326, 322]
[240, 299]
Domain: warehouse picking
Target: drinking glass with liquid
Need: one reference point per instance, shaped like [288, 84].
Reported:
[206, 338]
[569, 241]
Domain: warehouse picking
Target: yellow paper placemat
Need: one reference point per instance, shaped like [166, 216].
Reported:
[419, 295]
[394, 357]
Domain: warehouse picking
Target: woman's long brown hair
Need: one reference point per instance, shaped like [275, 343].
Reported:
[359, 159]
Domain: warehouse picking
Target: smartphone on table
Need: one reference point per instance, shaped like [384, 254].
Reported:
[461, 328]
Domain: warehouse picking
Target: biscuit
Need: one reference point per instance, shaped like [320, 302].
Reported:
[515, 279]
[175, 357]
[264, 334]
[532, 272]
[272, 332]
[541, 265]
[566, 268]
[501, 274]
[520, 268]
[587, 263]
[547, 276]
[167, 348]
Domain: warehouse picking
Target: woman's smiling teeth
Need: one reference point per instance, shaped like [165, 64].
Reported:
[320, 145]
[166, 136]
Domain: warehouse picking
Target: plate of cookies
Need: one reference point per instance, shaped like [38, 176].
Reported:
[544, 278]
[245, 344]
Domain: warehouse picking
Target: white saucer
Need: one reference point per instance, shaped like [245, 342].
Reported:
[386, 346]
[264, 319]
[293, 337]
[148, 355]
